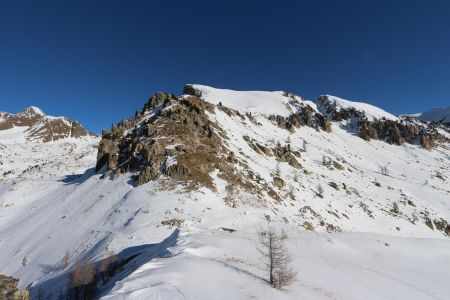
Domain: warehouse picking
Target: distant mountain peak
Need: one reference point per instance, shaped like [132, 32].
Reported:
[37, 126]
[441, 115]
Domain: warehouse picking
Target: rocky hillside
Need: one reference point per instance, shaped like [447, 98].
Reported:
[370, 122]
[207, 132]
[39, 127]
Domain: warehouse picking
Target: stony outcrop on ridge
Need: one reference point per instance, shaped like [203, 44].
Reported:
[394, 131]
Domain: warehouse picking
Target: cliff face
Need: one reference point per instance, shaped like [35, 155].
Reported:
[170, 136]
[40, 127]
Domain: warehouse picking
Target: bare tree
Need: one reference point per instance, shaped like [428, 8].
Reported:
[296, 177]
[278, 170]
[384, 170]
[277, 258]
[305, 143]
[108, 266]
[395, 209]
[288, 140]
[82, 280]
[320, 189]
[41, 294]
[65, 260]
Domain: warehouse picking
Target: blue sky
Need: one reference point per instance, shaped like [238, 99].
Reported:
[99, 61]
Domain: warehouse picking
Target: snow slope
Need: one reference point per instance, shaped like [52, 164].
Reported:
[256, 102]
[359, 247]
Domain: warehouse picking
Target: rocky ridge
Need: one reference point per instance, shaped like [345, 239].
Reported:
[393, 131]
[40, 127]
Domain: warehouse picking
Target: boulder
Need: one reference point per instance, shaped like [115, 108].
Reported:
[426, 141]
[278, 182]
[149, 173]
[107, 154]
[177, 171]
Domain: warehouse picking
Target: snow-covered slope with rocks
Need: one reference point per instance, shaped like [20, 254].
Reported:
[37, 126]
[183, 188]
[371, 112]
[256, 102]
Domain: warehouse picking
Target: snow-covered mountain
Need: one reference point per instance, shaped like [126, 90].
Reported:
[437, 114]
[32, 124]
[179, 191]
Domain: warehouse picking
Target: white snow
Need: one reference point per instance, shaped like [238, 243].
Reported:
[170, 161]
[37, 110]
[13, 135]
[351, 266]
[255, 102]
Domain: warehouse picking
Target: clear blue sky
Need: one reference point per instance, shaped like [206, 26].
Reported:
[99, 61]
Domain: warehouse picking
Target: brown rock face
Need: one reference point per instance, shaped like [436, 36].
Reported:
[42, 127]
[426, 141]
[366, 131]
[393, 135]
[305, 116]
[107, 154]
[171, 136]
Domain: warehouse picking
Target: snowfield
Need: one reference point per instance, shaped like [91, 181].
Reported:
[256, 102]
[358, 245]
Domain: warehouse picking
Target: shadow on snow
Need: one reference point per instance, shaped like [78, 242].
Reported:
[128, 260]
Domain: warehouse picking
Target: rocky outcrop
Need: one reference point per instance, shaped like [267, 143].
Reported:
[395, 132]
[392, 133]
[427, 141]
[285, 154]
[190, 90]
[171, 136]
[107, 154]
[331, 112]
[304, 116]
[9, 291]
[366, 131]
